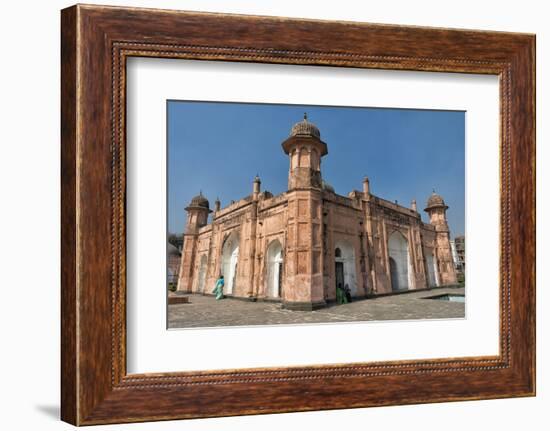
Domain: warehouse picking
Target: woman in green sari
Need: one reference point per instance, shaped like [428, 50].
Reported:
[218, 290]
[341, 295]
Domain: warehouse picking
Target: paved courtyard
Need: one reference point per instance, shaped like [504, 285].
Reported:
[205, 311]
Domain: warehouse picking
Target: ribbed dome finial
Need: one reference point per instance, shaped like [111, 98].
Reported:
[199, 201]
[305, 128]
[435, 201]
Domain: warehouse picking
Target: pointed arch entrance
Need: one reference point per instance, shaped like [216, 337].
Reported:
[344, 266]
[230, 258]
[274, 269]
[399, 261]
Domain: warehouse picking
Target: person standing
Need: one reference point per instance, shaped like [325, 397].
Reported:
[340, 295]
[347, 291]
[218, 290]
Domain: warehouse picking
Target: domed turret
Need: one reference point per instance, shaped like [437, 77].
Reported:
[303, 132]
[305, 128]
[436, 209]
[199, 201]
[305, 150]
[197, 213]
[435, 201]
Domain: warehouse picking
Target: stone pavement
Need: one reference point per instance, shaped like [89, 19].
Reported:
[205, 311]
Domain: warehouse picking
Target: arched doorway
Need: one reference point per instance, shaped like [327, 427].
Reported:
[344, 266]
[433, 278]
[274, 269]
[230, 257]
[202, 274]
[399, 261]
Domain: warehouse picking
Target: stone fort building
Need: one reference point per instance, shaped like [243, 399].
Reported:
[296, 247]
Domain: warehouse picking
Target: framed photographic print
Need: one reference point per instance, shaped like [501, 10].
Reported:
[267, 215]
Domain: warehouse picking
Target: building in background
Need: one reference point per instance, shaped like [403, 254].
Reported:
[453, 252]
[176, 240]
[298, 246]
[173, 257]
[460, 253]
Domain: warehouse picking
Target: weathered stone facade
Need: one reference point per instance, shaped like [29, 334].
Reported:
[296, 247]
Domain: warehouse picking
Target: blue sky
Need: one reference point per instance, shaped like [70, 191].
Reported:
[219, 148]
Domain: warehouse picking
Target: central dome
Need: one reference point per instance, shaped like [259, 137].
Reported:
[305, 128]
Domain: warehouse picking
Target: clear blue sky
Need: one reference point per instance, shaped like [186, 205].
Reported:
[219, 148]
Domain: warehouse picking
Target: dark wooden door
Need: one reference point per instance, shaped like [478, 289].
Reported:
[280, 279]
[339, 274]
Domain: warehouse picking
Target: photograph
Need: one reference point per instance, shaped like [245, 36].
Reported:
[304, 214]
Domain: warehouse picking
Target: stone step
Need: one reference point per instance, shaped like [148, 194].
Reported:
[177, 298]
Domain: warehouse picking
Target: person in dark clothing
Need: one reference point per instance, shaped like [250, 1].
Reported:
[347, 291]
[340, 294]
